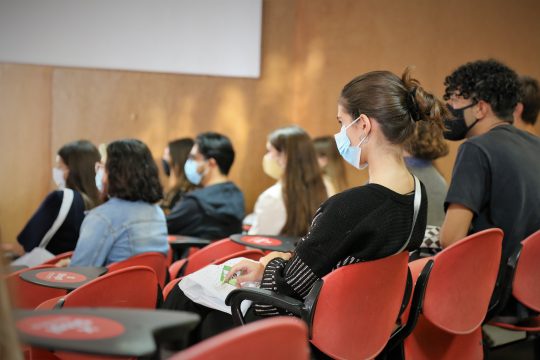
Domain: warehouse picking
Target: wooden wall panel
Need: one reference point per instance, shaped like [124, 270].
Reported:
[25, 135]
[311, 48]
[342, 39]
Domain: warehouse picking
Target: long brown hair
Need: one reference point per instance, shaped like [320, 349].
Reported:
[303, 187]
[325, 146]
[179, 151]
[81, 157]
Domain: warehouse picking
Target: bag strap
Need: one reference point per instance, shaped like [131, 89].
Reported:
[417, 202]
[67, 200]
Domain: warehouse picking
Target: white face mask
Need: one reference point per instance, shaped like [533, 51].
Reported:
[58, 177]
[99, 179]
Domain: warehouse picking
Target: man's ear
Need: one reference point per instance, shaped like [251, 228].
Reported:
[518, 111]
[482, 109]
[212, 162]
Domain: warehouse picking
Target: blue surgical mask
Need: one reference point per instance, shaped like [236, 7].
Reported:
[190, 169]
[99, 179]
[350, 154]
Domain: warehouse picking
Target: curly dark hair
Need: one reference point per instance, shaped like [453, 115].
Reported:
[487, 80]
[132, 172]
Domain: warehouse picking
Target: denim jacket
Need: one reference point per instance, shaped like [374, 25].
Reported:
[120, 229]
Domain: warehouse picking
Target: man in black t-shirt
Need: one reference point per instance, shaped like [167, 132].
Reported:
[496, 177]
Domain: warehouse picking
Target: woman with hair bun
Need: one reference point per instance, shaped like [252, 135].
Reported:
[377, 112]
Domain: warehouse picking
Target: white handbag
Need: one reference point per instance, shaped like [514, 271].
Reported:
[39, 254]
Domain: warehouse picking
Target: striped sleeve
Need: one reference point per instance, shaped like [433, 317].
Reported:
[293, 278]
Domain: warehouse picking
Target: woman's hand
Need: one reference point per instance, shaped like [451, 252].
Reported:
[63, 263]
[246, 270]
[274, 254]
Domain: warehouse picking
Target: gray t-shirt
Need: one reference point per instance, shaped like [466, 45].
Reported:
[497, 176]
[436, 188]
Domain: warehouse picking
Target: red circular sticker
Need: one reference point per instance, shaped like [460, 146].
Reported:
[60, 276]
[70, 327]
[262, 241]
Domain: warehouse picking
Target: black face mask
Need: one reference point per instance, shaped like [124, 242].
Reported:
[166, 167]
[456, 128]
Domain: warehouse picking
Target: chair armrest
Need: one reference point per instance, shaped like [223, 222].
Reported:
[235, 298]
[503, 287]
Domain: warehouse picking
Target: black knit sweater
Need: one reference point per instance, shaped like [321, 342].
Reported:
[360, 224]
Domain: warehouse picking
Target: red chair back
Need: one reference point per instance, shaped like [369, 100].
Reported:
[358, 306]
[211, 253]
[456, 299]
[154, 260]
[268, 339]
[25, 295]
[526, 285]
[132, 287]
[463, 277]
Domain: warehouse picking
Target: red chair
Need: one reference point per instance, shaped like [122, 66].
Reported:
[525, 287]
[250, 254]
[58, 257]
[133, 287]
[351, 312]
[268, 339]
[204, 256]
[154, 260]
[25, 295]
[456, 299]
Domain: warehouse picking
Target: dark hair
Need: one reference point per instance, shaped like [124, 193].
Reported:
[179, 151]
[530, 98]
[427, 142]
[396, 104]
[325, 146]
[81, 157]
[487, 80]
[132, 172]
[303, 188]
[218, 147]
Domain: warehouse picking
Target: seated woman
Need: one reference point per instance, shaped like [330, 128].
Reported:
[378, 112]
[75, 170]
[331, 164]
[426, 145]
[130, 222]
[287, 207]
[174, 158]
